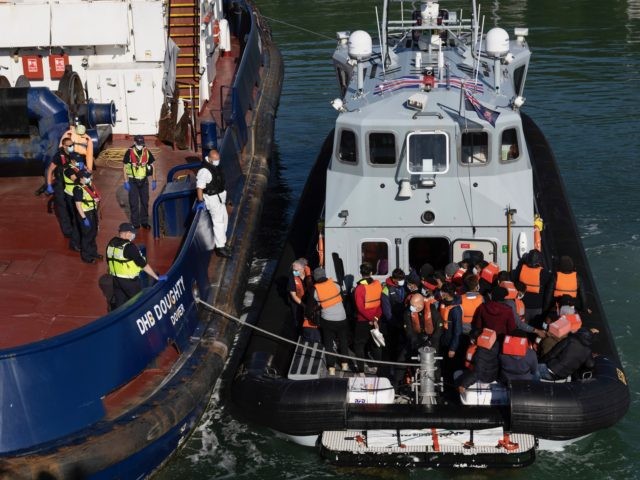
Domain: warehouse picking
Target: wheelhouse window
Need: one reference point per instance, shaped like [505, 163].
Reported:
[509, 148]
[474, 148]
[427, 153]
[382, 148]
[348, 151]
[376, 253]
[432, 250]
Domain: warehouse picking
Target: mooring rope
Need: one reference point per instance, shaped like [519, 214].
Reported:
[299, 28]
[297, 344]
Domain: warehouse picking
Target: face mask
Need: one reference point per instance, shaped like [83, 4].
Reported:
[400, 283]
[215, 163]
[70, 149]
[133, 237]
[138, 147]
[413, 309]
[296, 273]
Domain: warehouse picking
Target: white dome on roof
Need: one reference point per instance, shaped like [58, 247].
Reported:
[360, 45]
[497, 42]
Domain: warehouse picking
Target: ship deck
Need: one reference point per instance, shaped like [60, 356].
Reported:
[45, 288]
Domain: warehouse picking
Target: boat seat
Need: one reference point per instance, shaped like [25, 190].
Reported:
[308, 361]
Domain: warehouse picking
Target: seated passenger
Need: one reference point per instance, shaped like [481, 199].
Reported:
[566, 308]
[518, 364]
[484, 366]
[568, 356]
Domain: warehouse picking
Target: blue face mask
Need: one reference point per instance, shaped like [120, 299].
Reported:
[296, 273]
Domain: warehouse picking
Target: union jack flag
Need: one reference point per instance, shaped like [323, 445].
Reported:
[483, 112]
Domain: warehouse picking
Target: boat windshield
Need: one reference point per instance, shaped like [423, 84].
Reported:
[427, 153]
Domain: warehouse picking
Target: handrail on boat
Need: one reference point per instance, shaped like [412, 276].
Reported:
[161, 200]
[178, 168]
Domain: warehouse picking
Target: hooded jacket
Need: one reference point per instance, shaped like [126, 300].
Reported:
[494, 315]
[570, 354]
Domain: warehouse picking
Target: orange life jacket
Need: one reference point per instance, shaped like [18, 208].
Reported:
[520, 309]
[468, 357]
[328, 293]
[470, 302]
[490, 272]
[372, 294]
[457, 277]
[444, 313]
[530, 276]
[566, 284]
[423, 324]
[512, 292]
[299, 286]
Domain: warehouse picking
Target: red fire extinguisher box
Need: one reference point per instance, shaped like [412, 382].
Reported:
[57, 64]
[32, 66]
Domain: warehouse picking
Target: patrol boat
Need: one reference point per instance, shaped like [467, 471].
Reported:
[88, 392]
[432, 160]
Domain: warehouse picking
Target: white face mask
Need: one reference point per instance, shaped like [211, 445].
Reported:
[400, 283]
[215, 163]
[413, 309]
[138, 147]
[133, 236]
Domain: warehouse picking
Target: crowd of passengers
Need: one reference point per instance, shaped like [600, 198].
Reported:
[486, 323]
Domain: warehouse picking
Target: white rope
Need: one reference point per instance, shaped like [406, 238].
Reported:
[296, 344]
[299, 28]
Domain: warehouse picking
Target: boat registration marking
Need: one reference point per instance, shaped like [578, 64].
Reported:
[168, 304]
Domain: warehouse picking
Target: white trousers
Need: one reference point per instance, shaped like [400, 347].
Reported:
[216, 206]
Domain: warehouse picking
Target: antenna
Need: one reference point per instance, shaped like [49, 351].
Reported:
[384, 52]
[380, 41]
[475, 77]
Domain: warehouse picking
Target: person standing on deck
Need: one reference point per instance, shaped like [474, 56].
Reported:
[86, 199]
[368, 301]
[210, 189]
[55, 186]
[125, 262]
[71, 176]
[137, 165]
[532, 273]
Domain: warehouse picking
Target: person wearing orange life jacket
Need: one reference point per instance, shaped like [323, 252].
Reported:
[368, 303]
[519, 367]
[515, 293]
[485, 284]
[137, 166]
[333, 318]
[82, 143]
[87, 198]
[531, 272]
[470, 300]
[298, 286]
[484, 366]
[566, 281]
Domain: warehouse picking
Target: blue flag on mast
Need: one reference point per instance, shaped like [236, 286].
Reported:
[483, 112]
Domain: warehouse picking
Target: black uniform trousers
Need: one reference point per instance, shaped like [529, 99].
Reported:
[123, 290]
[75, 240]
[139, 201]
[88, 246]
[64, 215]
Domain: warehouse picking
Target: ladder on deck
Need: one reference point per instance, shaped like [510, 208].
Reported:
[184, 29]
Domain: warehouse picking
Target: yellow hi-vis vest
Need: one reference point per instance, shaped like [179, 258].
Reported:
[69, 184]
[118, 265]
[137, 168]
[90, 198]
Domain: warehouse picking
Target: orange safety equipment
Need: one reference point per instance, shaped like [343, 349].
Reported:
[490, 272]
[320, 249]
[216, 31]
[82, 144]
[470, 302]
[530, 276]
[512, 292]
[566, 284]
[457, 277]
[468, 356]
[520, 308]
[423, 323]
[328, 293]
[299, 287]
[444, 313]
[372, 294]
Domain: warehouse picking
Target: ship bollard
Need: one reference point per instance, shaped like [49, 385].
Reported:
[427, 375]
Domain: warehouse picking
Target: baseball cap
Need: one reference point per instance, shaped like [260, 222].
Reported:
[127, 227]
